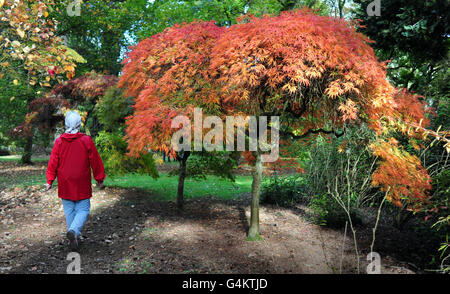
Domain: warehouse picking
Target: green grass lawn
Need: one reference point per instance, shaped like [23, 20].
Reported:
[30, 180]
[23, 181]
[17, 158]
[165, 187]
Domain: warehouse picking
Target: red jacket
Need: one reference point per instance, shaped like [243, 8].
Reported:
[72, 158]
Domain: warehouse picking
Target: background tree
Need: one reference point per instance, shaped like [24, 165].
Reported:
[104, 108]
[12, 110]
[101, 32]
[413, 36]
[84, 93]
[103, 39]
[32, 53]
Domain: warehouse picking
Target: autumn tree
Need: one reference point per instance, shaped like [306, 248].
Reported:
[168, 76]
[32, 54]
[103, 108]
[318, 74]
[84, 93]
[46, 113]
[413, 36]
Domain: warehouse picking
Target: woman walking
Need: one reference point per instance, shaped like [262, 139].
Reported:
[72, 158]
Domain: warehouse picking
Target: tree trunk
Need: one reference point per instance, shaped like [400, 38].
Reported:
[28, 150]
[181, 178]
[253, 232]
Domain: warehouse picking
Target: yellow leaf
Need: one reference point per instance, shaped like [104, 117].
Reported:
[72, 54]
[1, 3]
[69, 68]
[21, 33]
[47, 78]
[12, 98]
[16, 82]
[45, 14]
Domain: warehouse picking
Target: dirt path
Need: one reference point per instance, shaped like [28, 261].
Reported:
[129, 232]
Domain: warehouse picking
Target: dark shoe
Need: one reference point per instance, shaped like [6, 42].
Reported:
[73, 242]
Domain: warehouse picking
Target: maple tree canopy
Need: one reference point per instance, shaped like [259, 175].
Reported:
[316, 72]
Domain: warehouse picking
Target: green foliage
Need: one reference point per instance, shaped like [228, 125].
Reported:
[341, 170]
[439, 91]
[440, 204]
[99, 32]
[13, 108]
[441, 188]
[343, 167]
[262, 7]
[326, 211]
[284, 190]
[444, 222]
[413, 35]
[201, 164]
[419, 28]
[216, 163]
[112, 148]
[112, 109]
[161, 14]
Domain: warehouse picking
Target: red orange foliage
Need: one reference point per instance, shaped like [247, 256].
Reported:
[46, 112]
[168, 75]
[318, 70]
[90, 86]
[403, 173]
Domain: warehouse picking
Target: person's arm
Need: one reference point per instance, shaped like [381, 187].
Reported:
[96, 164]
[52, 168]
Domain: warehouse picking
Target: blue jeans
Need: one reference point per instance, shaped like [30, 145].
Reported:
[77, 213]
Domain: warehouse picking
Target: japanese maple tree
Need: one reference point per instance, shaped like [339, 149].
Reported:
[168, 75]
[317, 73]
